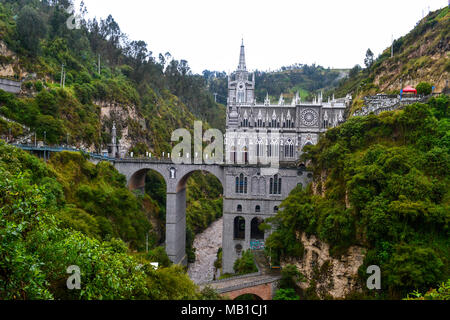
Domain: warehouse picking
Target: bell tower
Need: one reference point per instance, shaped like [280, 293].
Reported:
[241, 89]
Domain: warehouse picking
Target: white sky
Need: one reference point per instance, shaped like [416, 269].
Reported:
[207, 33]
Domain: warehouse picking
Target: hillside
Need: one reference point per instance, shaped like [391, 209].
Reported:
[380, 196]
[146, 98]
[423, 55]
[287, 81]
[47, 226]
[141, 94]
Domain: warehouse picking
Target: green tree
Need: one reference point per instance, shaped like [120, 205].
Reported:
[31, 28]
[424, 88]
[368, 61]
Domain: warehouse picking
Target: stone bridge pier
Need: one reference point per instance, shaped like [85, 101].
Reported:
[175, 176]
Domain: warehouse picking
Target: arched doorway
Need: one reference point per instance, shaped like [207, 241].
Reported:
[255, 232]
[239, 228]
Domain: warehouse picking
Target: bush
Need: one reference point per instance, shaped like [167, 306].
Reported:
[286, 294]
[38, 86]
[442, 293]
[424, 88]
[245, 264]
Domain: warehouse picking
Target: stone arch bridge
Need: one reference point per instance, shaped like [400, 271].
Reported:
[175, 176]
[244, 200]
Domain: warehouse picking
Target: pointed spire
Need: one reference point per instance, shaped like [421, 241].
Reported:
[242, 66]
[267, 100]
[281, 101]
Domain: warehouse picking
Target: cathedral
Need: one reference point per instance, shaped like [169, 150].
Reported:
[299, 123]
[263, 144]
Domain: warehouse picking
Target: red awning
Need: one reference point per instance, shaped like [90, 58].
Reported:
[409, 89]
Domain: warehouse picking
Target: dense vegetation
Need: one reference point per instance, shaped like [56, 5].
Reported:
[165, 93]
[38, 241]
[287, 81]
[245, 264]
[381, 182]
[154, 97]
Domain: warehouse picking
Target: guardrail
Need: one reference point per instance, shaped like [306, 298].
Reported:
[249, 285]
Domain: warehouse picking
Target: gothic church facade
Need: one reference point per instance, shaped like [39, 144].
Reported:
[263, 145]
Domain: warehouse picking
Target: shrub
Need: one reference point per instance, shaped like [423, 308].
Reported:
[38, 86]
[286, 294]
[424, 88]
[245, 264]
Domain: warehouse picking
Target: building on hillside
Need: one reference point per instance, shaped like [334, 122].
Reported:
[263, 145]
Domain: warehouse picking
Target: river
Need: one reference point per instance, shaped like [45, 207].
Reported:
[206, 244]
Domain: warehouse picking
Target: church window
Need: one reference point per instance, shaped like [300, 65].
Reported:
[241, 184]
[275, 185]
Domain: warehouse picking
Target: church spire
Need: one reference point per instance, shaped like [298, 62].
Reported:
[242, 66]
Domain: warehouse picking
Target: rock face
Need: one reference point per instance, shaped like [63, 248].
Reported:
[332, 277]
[122, 115]
[7, 69]
[206, 244]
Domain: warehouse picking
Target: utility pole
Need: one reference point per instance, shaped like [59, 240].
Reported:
[146, 243]
[64, 79]
[392, 46]
[215, 97]
[99, 65]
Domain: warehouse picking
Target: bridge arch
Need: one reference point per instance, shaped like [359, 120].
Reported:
[137, 180]
[263, 291]
[248, 297]
[176, 177]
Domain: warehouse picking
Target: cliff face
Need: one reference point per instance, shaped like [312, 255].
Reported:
[122, 115]
[330, 276]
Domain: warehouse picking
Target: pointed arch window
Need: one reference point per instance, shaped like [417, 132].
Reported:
[241, 184]
[275, 185]
[289, 149]
[273, 149]
[259, 148]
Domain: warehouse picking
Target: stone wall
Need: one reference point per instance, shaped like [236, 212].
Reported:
[10, 85]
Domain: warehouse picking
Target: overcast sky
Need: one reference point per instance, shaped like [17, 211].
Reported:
[207, 33]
